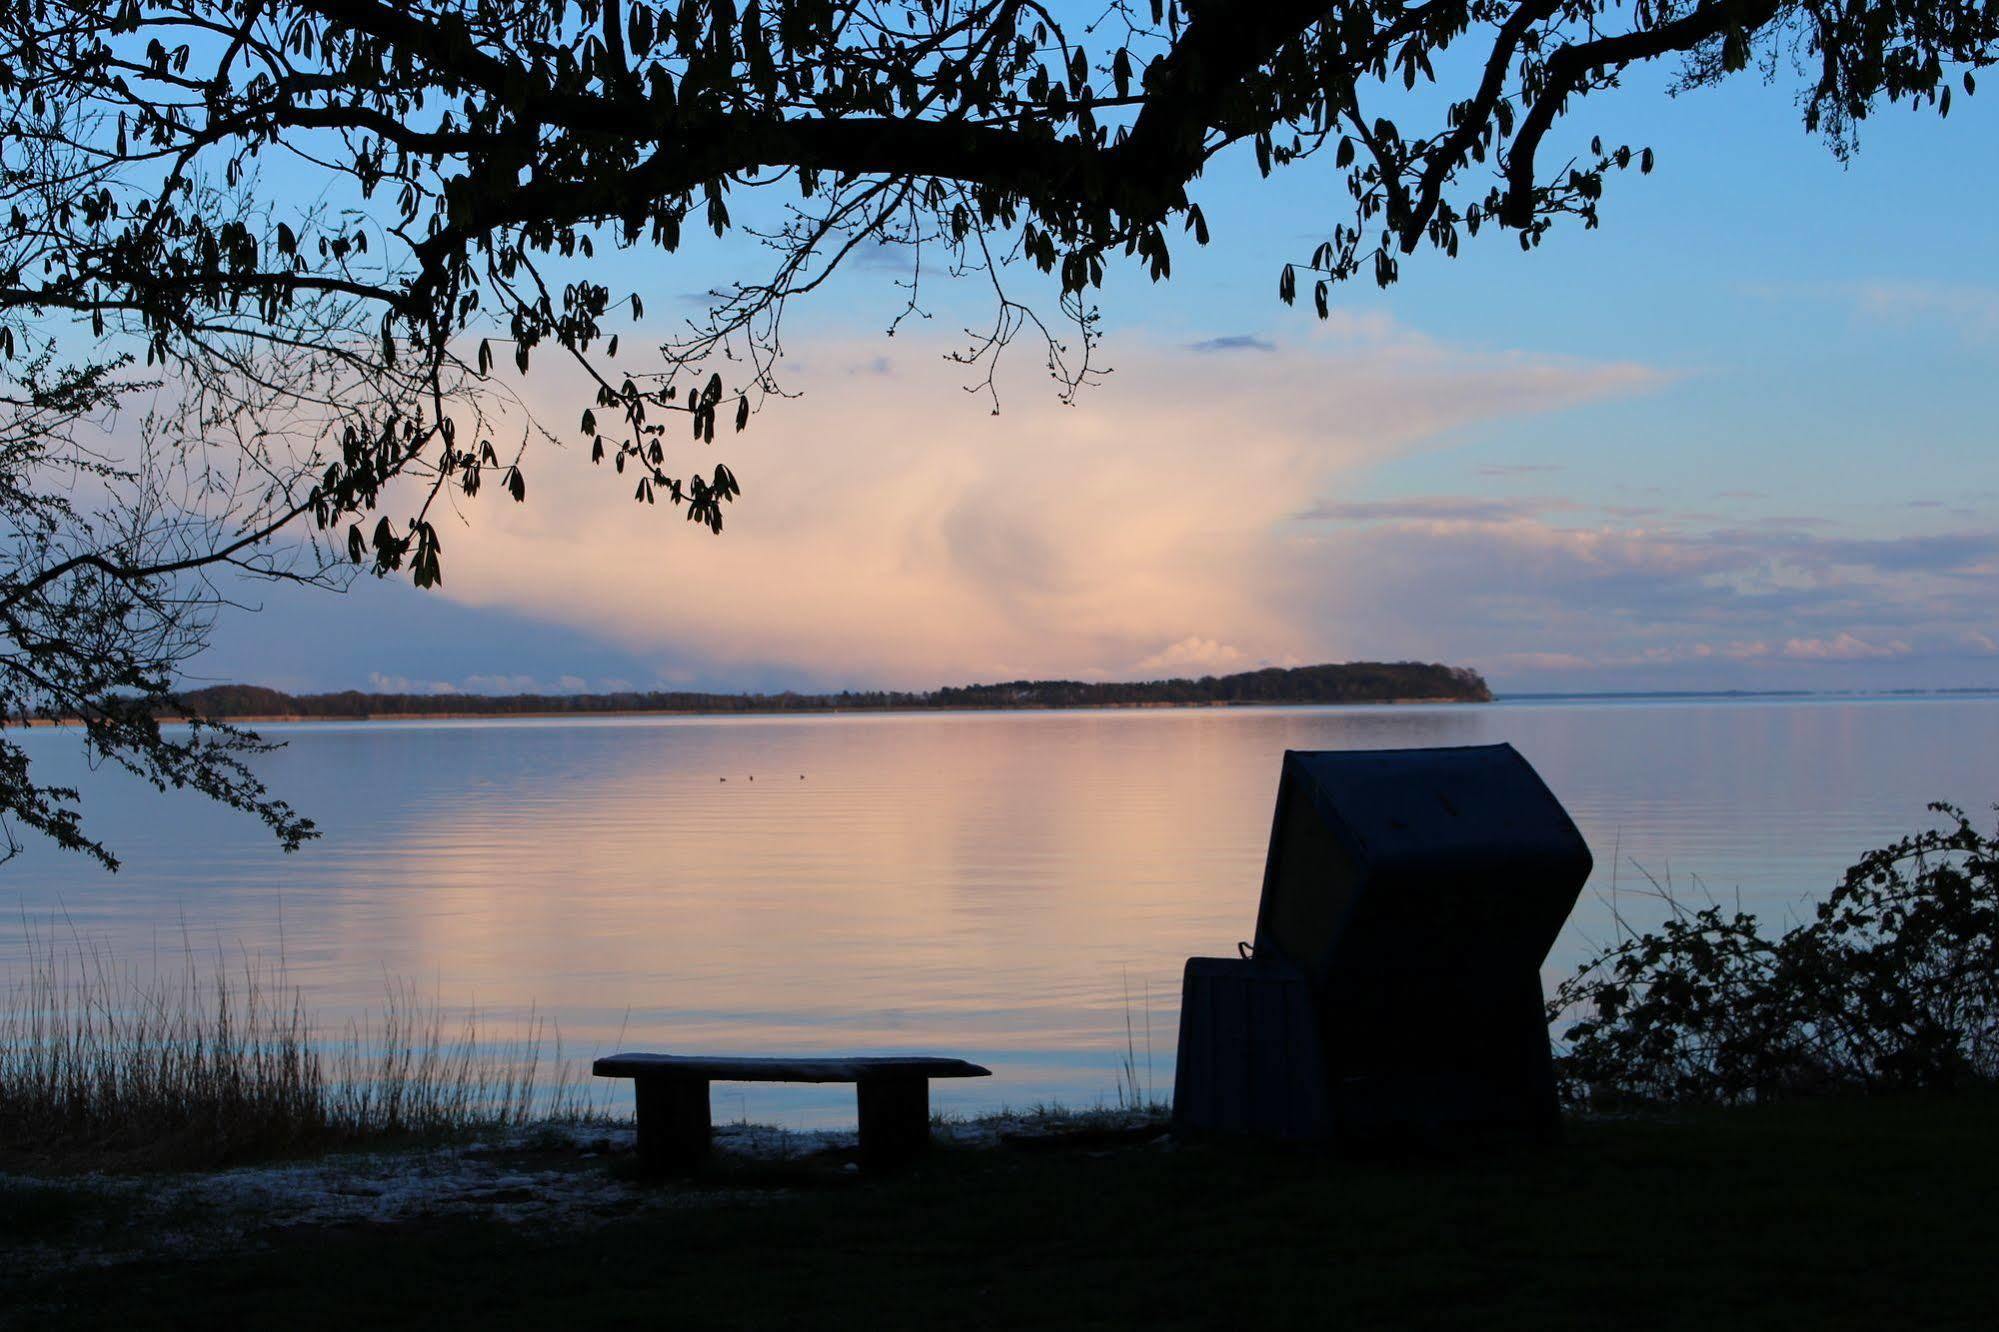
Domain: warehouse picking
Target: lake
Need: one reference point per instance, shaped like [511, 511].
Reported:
[1010, 887]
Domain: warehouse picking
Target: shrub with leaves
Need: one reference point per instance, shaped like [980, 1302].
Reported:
[1893, 984]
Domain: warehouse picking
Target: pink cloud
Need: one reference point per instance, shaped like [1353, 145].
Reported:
[897, 533]
[1201, 655]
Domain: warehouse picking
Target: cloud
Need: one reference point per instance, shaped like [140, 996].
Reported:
[1516, 469]
[1547, 661]
[1233, 342]
[1618, 604]
[1799, 521]
[1199, 655]
[1844, 647]
[496, 683]
[502, 683]
[1429, 508]
[1971, 310]
[1968, 309]
[1655, 655]
[1968, 554]
[891, 532]
[402, 684]
[900, 535]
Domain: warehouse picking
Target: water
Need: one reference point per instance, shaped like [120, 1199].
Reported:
[991, 885]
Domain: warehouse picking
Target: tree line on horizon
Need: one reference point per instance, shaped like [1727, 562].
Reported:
[1351, 682]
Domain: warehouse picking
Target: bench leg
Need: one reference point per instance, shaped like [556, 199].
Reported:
[673, 1122]
[895, 1119]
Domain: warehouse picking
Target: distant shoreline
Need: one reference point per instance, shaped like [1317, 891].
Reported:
[918, 709]
[1331, 683]
[290, 718]
[804, 709]
[310, 719]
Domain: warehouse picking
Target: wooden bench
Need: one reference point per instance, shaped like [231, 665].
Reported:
[673, 1116]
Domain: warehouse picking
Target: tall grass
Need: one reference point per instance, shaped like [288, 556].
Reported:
[223, 1062]
[1134, 1092]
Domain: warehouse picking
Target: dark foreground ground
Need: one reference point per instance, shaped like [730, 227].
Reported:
[1859, 1214]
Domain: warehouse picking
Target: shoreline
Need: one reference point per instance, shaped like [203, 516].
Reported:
[258, 719]
[557, 714]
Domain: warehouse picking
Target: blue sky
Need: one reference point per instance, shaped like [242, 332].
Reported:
[1739, 437]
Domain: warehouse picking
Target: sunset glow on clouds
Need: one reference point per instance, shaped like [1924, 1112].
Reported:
[1703, 446]
[893, 531]
[1211, 507]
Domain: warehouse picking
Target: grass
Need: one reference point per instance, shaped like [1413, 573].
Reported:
[102, 1065]
[1840, 1214]
[1133, 1093]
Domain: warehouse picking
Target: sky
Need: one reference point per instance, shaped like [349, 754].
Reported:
[1739, 437]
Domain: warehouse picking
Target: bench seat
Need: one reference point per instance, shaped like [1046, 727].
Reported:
[674, 1122]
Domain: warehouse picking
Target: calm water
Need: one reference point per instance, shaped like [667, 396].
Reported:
[987, 885]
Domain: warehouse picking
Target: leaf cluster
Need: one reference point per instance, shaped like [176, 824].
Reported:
[82, 641]
[1893, 984]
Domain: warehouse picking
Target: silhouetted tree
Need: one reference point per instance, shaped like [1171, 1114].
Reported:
[303, 231]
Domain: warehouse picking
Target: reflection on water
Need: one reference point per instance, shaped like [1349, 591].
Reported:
[985, 885]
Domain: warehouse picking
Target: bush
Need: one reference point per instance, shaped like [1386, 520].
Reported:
[1892, 985]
